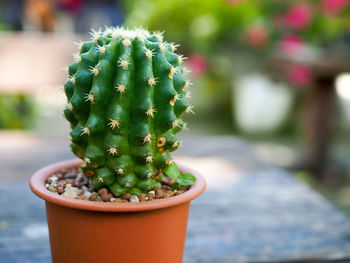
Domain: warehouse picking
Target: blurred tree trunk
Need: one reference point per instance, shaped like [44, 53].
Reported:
[319, 111]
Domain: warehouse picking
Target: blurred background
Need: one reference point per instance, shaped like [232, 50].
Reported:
[275, 74]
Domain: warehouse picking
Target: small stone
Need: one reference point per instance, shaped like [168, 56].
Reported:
[47, 186]
[112, 199]
[61, 184]
[171, 181]
[168, 180]
[80, 180]
[134, 199]
[166, 195]
[117, 200]
[68, 185]
[80, 197]
[84, 188]
[170, 193]
[150, 196]
[60, 189]
[71, 188]
[126, 196]
[52, 189]
[93, 196]
[152, 192]
[87, 194]
[105, 197]
[102, 191]
[166, 187]
[53, 179]
[70, 175]
[69, 192]
[179, 192]
[159, 193]
[142, 197]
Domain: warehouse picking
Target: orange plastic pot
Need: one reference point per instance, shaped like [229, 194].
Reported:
[90, 232]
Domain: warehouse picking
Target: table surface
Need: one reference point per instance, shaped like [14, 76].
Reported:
[251, 211]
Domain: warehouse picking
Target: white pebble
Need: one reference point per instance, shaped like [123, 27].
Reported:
[53, 179]
[47, 185]
[134, 199]
[87, 194]
[111, 199]
[152, 192]
[70, 193]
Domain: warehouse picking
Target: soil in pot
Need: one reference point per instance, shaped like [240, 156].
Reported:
[72, 183]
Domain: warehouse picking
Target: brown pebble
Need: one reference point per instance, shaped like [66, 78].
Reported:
[179, 192]
[168, 181]
[103, 191]
[117, 200]
[93, 196]
[126, 196]
[171, 181]
[105, 197]
[61, 184]
[150, 196]
[166, 187]
[60, 189]
[142, 197]
[110, 195]
[125, 201]
[159, 194]
[170, 193]
[166, 195]
[80, 197]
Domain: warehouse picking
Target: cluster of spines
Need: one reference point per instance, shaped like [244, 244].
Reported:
[126, 95]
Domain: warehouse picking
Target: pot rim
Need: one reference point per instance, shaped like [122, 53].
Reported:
[38, 181]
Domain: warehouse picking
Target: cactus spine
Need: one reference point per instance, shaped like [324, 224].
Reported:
[126, 96]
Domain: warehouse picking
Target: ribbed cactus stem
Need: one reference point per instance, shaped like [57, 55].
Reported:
[126, 96]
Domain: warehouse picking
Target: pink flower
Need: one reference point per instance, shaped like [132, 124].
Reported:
[298, 16]
[257, 36]
[198, 64]
[291, 43]
[299, 75]
[334, 7]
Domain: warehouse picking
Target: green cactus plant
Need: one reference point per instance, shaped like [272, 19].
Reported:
[126, 96]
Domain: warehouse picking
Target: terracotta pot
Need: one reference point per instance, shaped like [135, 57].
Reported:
[91, 232]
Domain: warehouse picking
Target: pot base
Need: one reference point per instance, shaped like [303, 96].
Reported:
[84, 236]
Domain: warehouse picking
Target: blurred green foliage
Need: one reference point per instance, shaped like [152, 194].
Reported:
[235, 37]
[16, 111]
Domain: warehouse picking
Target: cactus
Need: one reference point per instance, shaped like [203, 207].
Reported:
[126, 96]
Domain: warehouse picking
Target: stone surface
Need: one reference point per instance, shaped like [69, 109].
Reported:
[250, 212]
